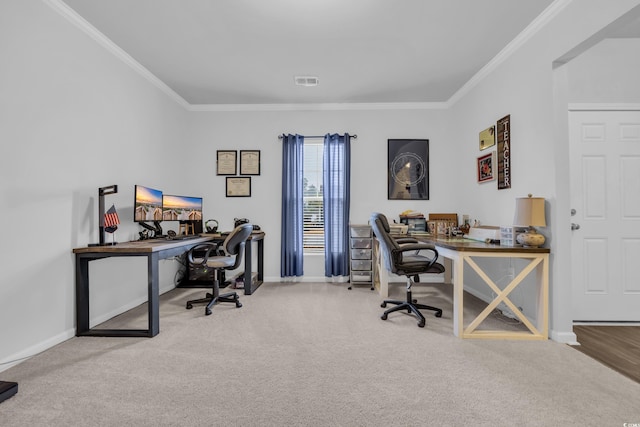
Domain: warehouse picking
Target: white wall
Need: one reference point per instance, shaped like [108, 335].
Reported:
[606, 73]
[259, 130]
[73, 118]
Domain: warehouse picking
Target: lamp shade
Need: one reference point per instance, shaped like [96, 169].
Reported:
[530, 212]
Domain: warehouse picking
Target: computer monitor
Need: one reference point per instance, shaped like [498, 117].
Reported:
[147, 204]
[181, 208]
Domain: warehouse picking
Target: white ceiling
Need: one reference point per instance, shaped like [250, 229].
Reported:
[362, 51]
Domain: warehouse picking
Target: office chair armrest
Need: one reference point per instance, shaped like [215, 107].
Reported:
[420, 246]
[208, 247]
[403, 240]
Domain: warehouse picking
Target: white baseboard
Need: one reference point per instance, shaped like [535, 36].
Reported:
[35, 349]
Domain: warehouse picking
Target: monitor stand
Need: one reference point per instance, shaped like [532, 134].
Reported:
[156, 228]
[7, 389]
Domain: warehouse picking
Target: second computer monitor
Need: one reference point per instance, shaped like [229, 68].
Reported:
[181, 208]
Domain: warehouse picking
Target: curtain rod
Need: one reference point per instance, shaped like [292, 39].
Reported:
[321, 136]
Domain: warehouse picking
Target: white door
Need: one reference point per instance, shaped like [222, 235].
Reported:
[605, 194]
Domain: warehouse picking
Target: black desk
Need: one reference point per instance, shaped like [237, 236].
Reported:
[154, 250]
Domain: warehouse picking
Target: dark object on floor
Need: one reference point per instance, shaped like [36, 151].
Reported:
[7, 389]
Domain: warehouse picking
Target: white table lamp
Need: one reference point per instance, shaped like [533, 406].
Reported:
[530, 213]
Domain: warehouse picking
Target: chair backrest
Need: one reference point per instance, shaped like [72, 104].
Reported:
[389, 247]
[234, 243]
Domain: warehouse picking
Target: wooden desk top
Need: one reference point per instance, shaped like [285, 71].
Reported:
[468, 245]
[156, 245]
[143, 246]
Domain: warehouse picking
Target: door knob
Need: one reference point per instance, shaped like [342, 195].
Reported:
[575, 226]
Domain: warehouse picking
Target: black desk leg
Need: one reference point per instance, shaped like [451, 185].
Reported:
[260, 260]
[248, 286]
[82, 295]
[153, 294]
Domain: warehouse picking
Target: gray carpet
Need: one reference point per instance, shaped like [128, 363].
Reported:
[313, 355]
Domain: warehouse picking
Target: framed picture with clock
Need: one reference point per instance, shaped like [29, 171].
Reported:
[408, 169]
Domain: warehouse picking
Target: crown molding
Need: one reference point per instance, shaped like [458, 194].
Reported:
[541, 20]
[321, 107]
[603, 106]
[77, 20]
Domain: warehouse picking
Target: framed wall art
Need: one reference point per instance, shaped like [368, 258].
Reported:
[487, 167]
[238, 186]
[487, 138]
[249, 162]
[226, 163]
[408, 169]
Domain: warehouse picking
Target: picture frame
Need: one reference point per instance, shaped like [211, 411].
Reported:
[408, 169]
[226, 162]
[486, 167]
[249, 162]
[487, 138]
[238, 186]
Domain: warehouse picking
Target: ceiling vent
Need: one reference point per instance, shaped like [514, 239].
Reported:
[306, 80]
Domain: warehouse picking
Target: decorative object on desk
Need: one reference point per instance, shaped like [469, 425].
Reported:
[408, 169]
[504, 152]
[226, 163]
[249, 162]
[238, 187]
[102, 216]
[530, 213]
[487, 138]
[486, 167]
[111, 220]
[211, 226]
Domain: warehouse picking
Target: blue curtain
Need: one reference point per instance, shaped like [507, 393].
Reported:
[292, 203]
[336, 198]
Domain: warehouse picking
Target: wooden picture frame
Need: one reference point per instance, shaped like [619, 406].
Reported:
[408, 169]
[238, 186]
[226, 162]
[486, 167]
[249, 162]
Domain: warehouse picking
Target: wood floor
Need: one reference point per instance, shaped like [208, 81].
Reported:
[615, 346]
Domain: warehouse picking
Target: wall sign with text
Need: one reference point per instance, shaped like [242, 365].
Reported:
[504, 152]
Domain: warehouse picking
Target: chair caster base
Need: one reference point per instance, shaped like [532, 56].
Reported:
[189, 306]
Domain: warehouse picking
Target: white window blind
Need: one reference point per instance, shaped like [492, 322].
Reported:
[313, 213]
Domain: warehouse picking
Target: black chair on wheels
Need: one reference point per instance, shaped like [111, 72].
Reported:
[227, 258]
[403, 256]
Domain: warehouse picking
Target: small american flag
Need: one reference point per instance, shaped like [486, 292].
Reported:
[111, 220]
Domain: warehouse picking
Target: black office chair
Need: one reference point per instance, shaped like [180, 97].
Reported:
[228, 259]
[401, 256]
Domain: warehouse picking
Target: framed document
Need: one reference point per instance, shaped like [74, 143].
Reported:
[249, 162]
[408, 169]
[238, 186]
[226, 162]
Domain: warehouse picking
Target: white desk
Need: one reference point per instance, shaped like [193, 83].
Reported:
[456, 253]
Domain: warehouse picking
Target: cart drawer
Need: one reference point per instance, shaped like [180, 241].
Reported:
[361, 254]
[364, 231]
[361, 265]
[361, 276]
[361, 243]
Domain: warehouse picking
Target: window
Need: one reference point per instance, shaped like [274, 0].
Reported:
[313, 211]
